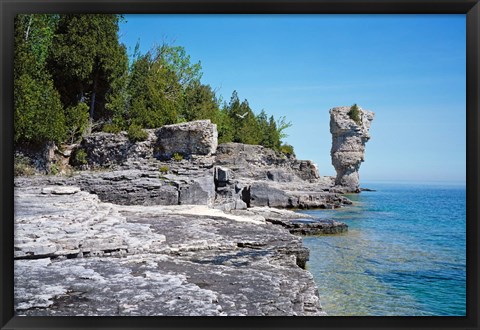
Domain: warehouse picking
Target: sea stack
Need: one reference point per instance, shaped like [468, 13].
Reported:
[350, 132]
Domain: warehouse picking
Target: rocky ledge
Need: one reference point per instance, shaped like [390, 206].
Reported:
[76, 255]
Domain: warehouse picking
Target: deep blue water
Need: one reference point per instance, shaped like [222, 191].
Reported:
[404, 253]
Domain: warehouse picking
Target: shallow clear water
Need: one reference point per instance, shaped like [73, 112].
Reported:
[404, 253]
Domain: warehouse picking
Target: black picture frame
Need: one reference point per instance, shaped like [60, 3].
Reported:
[9, 8]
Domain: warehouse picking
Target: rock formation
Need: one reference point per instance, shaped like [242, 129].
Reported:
[348, 145]
[187, 139]
[75, 255]
[260, 177]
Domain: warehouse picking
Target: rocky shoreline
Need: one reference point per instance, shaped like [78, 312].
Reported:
[140, 232]
[75, 255]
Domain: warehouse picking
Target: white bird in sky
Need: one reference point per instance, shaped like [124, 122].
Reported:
[242, 116]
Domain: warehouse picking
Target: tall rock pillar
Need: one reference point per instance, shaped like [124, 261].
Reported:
[348, 144]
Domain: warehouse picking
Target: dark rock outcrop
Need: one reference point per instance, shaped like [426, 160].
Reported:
[348, 145]
[307, 227]
[297, 223]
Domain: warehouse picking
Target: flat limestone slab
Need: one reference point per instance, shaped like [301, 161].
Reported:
[64, 190]
[76, 255]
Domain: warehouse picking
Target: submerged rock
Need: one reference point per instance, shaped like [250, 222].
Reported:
[348, 145]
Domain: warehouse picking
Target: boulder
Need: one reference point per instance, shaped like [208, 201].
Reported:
[263, 194]
[222, 176]
[198, 137]
[198, 191]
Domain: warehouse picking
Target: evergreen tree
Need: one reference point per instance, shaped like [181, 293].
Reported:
[224, 126]
[38, 113]
[273, 134]
[164, 88]
[200, 103]
[86, 59]
[154, 91]
[247, 128]
[354, 114]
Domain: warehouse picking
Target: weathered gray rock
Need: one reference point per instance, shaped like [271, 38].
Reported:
[222, 176]
[198, 137]
[260, 163]
[348, 145]
[38, 158]
[78, 256]
[297, 223]
[198, 191]
[306, 227]
[60, 190]
[188, 139]
[282, 195]
[109, 149]
[263, 194]
[259, 177]
[51, 225]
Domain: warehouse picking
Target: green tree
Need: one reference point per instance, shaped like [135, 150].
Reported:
[247, 129]
[200, 102]
[282, 125]
[164, 88]
[154, 91]
[354, 114]
[273, 134]
[76, 121]
[176, 59]
[86, 59]
[38, 113]
[224, 126]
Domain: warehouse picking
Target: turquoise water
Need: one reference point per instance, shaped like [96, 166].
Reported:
[404, 253]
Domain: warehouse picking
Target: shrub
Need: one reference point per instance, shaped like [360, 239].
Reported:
[22, 167]
[287, 149]
[354, 114]
[54, 169]
[164, 169]
[136, 133]
[177, 157]
[76, 121]
[80, 157]
[111, 128]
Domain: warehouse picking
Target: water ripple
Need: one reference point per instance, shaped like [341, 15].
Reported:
[404, 254]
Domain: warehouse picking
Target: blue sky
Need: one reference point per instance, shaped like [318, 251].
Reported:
[409, 69]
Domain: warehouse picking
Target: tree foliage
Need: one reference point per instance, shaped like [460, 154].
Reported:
[354, 114]
[38, 113]
[73, 75]
[87, 60]
[76, 121]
